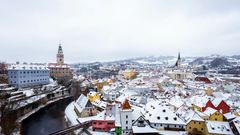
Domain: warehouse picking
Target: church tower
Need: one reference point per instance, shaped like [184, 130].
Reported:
[178, 63]
[60, 55]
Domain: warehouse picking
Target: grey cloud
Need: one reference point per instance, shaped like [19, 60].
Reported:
[93, 30]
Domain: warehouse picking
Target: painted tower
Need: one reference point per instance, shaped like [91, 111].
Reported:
[126, 118]
[60, 55]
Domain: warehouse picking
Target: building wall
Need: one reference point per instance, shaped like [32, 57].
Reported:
[194, 126]
[25, 78]
[103, 125]
[60, 72]
[160, 126]
[177, 76]
[60, 58]
[93, 98]
[197, 108]
[86, 112]
[126, 121]
[217, 116]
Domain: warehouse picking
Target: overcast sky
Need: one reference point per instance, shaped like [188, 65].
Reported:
[104, 30]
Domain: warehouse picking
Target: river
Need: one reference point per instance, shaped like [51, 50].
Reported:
[47, 120]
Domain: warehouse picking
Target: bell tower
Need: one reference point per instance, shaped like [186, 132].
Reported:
[60, 55]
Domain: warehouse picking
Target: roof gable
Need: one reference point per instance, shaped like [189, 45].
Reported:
[141, 118]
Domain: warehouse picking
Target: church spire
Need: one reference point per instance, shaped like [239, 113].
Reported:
[179, 58]
[178, 63]
[60, 51]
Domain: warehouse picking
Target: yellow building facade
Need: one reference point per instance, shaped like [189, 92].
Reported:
[130, 74]
[196, 108]
[196, 125]
[217, 116]
[93, 97]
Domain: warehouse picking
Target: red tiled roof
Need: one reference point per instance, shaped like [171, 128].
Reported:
[126, 105]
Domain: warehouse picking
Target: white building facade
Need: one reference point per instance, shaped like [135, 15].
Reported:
[28, 75]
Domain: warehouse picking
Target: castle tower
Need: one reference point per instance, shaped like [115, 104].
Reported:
[60, 55]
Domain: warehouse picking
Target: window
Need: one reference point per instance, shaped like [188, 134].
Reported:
[158, 118]
[166, 118]
[164, 110]
[215, 119]
[109, 123]
[126, 127]
[175, 118]
[202, 129]
[126, 116]
[190, 127]
[126, 122]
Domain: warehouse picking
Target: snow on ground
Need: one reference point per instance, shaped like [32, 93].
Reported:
[29, 92]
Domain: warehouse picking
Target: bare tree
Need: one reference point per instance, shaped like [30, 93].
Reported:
[7, 121]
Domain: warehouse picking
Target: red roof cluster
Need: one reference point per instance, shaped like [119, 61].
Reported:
[222, 107]
[203, 79]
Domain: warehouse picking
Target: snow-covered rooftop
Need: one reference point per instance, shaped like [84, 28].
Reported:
[218, 127]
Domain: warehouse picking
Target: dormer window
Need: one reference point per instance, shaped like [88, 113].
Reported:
[175, 118]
